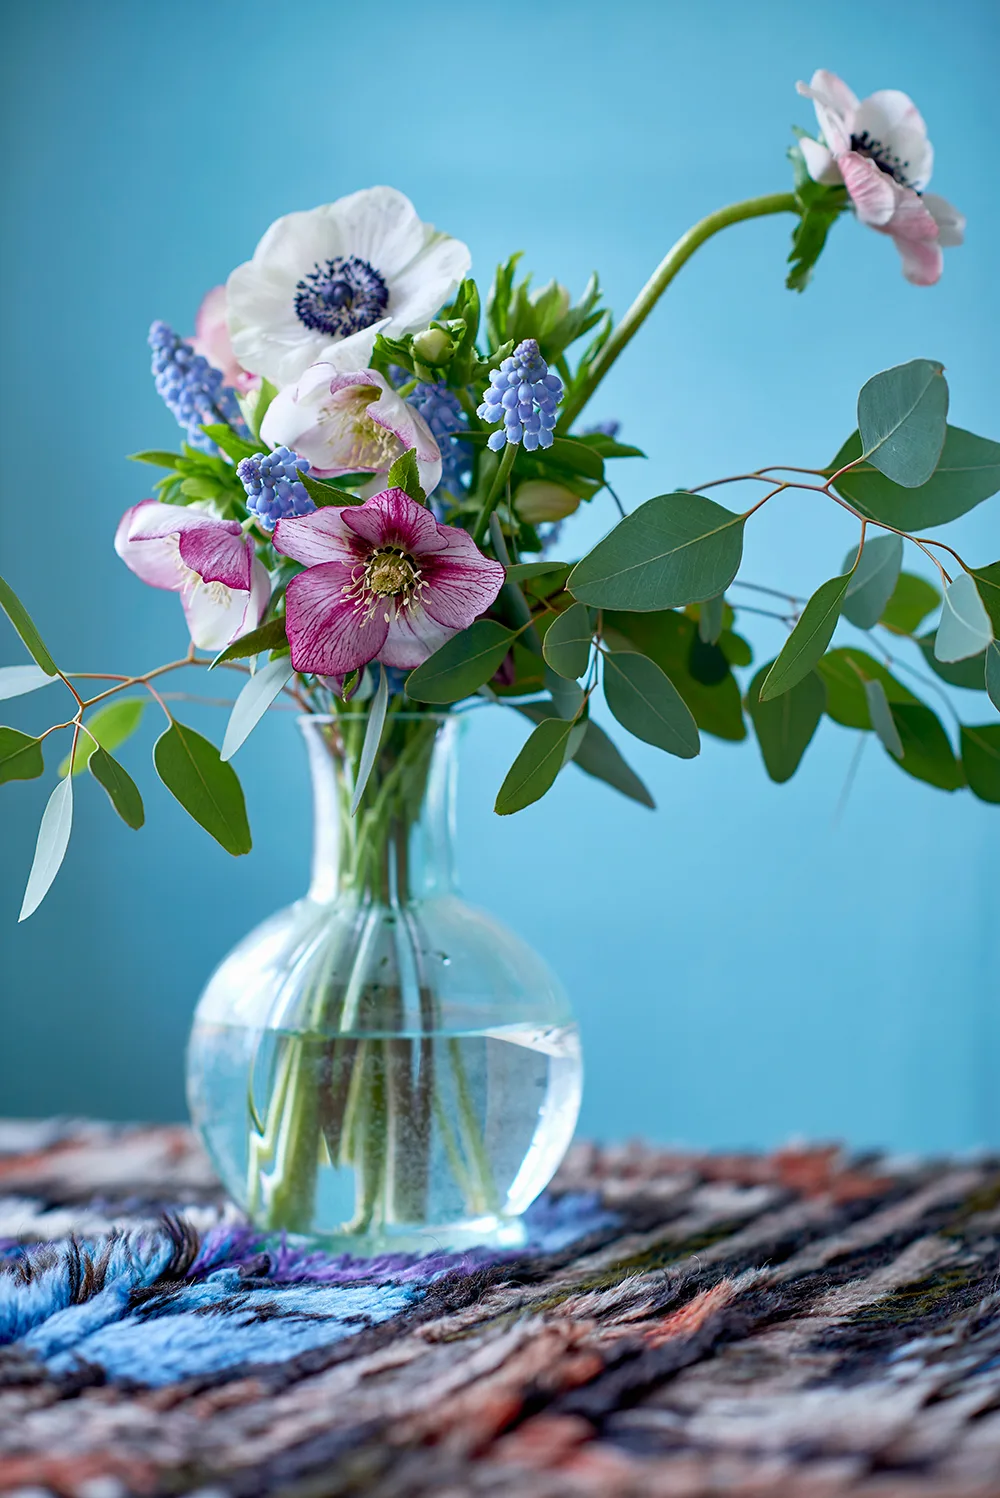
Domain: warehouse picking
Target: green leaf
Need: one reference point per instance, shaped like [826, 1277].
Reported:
[597, 756]
[257, 403]
[522, 571]
[736, 650]
[575, 456]
[608, 447]
[993, 674]
[405, 475]
[22, 622]
[566, 646]
[673, 550]
[20, 756]
[373, 737]
[785, 727]
[536, 767]
[874, 581]
[967, 473]
[988, 584]
[234, 447]
[323, 494]
[646, 702]
[846, 673]
[50, 849]
[254, 701]
[156, 458]
[927, 752]
[969, 673]
[568, 696]
[902, 417]
[881, 717]
[121, 788]
[269, 636]
[110, 726]
[710, 619]
[207, 788]
[981, 759]
[966, 628]
[668, 638]
[808, 640]
[912, 600]
[17, 681]
[462, 665]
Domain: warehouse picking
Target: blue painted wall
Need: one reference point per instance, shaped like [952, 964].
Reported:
[746, 965]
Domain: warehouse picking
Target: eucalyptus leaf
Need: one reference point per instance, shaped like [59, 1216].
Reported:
[23, 623]
[522, 571]
[927, 751]
[567, 696]
[965, 628]
[668, 638]
[373, 737]
[708, 664]
[912, 600]
[968, 472]
[808, 640]
[646, 702]
[881, 717]
[109, 727]
[50, 849]
[993, 674]
[17, 681]
[254, 701]
[20, 756]
[846, 673]
[597, 755]
[988, 587]
[463, 664]
[981, 760]
[874, 581]
[710, 619]
[269, 636]
[673, 550]
[536, 767]
[567, 642]
[785, 725]
[969, 673]
[207, 788]
[121, 788]
[902, 418]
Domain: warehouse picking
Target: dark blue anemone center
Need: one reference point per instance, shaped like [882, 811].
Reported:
[341, 296]
[882, 157]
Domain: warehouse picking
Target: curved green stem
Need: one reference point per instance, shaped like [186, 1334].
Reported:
[496, 491]
[735, 213]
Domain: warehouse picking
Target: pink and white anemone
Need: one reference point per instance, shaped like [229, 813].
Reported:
[878, 149]
[224, 588]
[384, 581]
[211, 340]
[350, 423]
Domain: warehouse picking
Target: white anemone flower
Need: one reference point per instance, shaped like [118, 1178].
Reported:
[322, 284]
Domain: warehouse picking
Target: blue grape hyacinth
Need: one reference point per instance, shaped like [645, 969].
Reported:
[442, 411]
[274, 489]
[524, 396]
[193, 390]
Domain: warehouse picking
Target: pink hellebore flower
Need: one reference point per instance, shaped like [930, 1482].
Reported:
[878, 148]
[350, 423]
[384, 581]
[224, 588]
[211, 340]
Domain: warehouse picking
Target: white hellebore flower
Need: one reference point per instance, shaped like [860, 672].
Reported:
[324, 283]
[878, 148]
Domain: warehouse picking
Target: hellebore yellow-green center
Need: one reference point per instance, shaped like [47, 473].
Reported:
[388, 573]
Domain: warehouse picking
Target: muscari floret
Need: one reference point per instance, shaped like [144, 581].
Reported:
[193, 390]
[274, 489]
[524, 396]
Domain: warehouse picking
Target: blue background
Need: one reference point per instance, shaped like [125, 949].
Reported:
[747, 965]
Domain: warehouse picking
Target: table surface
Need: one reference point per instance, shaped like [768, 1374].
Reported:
[790, 1326]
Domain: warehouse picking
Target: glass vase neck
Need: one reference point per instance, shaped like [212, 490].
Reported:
[399, 846]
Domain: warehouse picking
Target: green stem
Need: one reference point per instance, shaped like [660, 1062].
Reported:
[496, 490]
[735, 213]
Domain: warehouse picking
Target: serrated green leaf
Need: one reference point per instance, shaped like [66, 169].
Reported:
[122, 790]
[968, 472]
[981, 760]
[881, 717]
[405, 475]
[668, 638]
[23, 623]
[110, 726]
[646, 702]
[902, 417]
[874, 581]
[269, 636]
[912, 600]
[207, 788]
[927, 751]
[233, 446]
[20, 756]
[966, 628]
[845, 673]
[993, 674]
[808, 640]
[18, 681]
[536, 767]
[50, 849]
[463, 664]
[323, 494]
[566, 646]
[156, 458]
[673, 550]
[785, 725]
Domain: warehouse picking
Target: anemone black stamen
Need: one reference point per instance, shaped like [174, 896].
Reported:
[883, 158]
[341, 296]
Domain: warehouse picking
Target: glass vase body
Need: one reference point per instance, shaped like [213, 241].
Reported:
[380, 1065]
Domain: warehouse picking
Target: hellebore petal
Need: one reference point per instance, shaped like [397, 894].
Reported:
[330, 632]
[211, 340]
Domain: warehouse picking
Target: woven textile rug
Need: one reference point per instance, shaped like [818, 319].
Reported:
[796, 1326]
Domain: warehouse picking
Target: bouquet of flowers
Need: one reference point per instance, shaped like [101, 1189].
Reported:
[364, 514]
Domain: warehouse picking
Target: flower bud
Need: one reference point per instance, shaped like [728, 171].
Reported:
[433, 346]
[537, 500]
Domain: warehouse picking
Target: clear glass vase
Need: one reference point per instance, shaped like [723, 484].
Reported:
[379, 1064]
